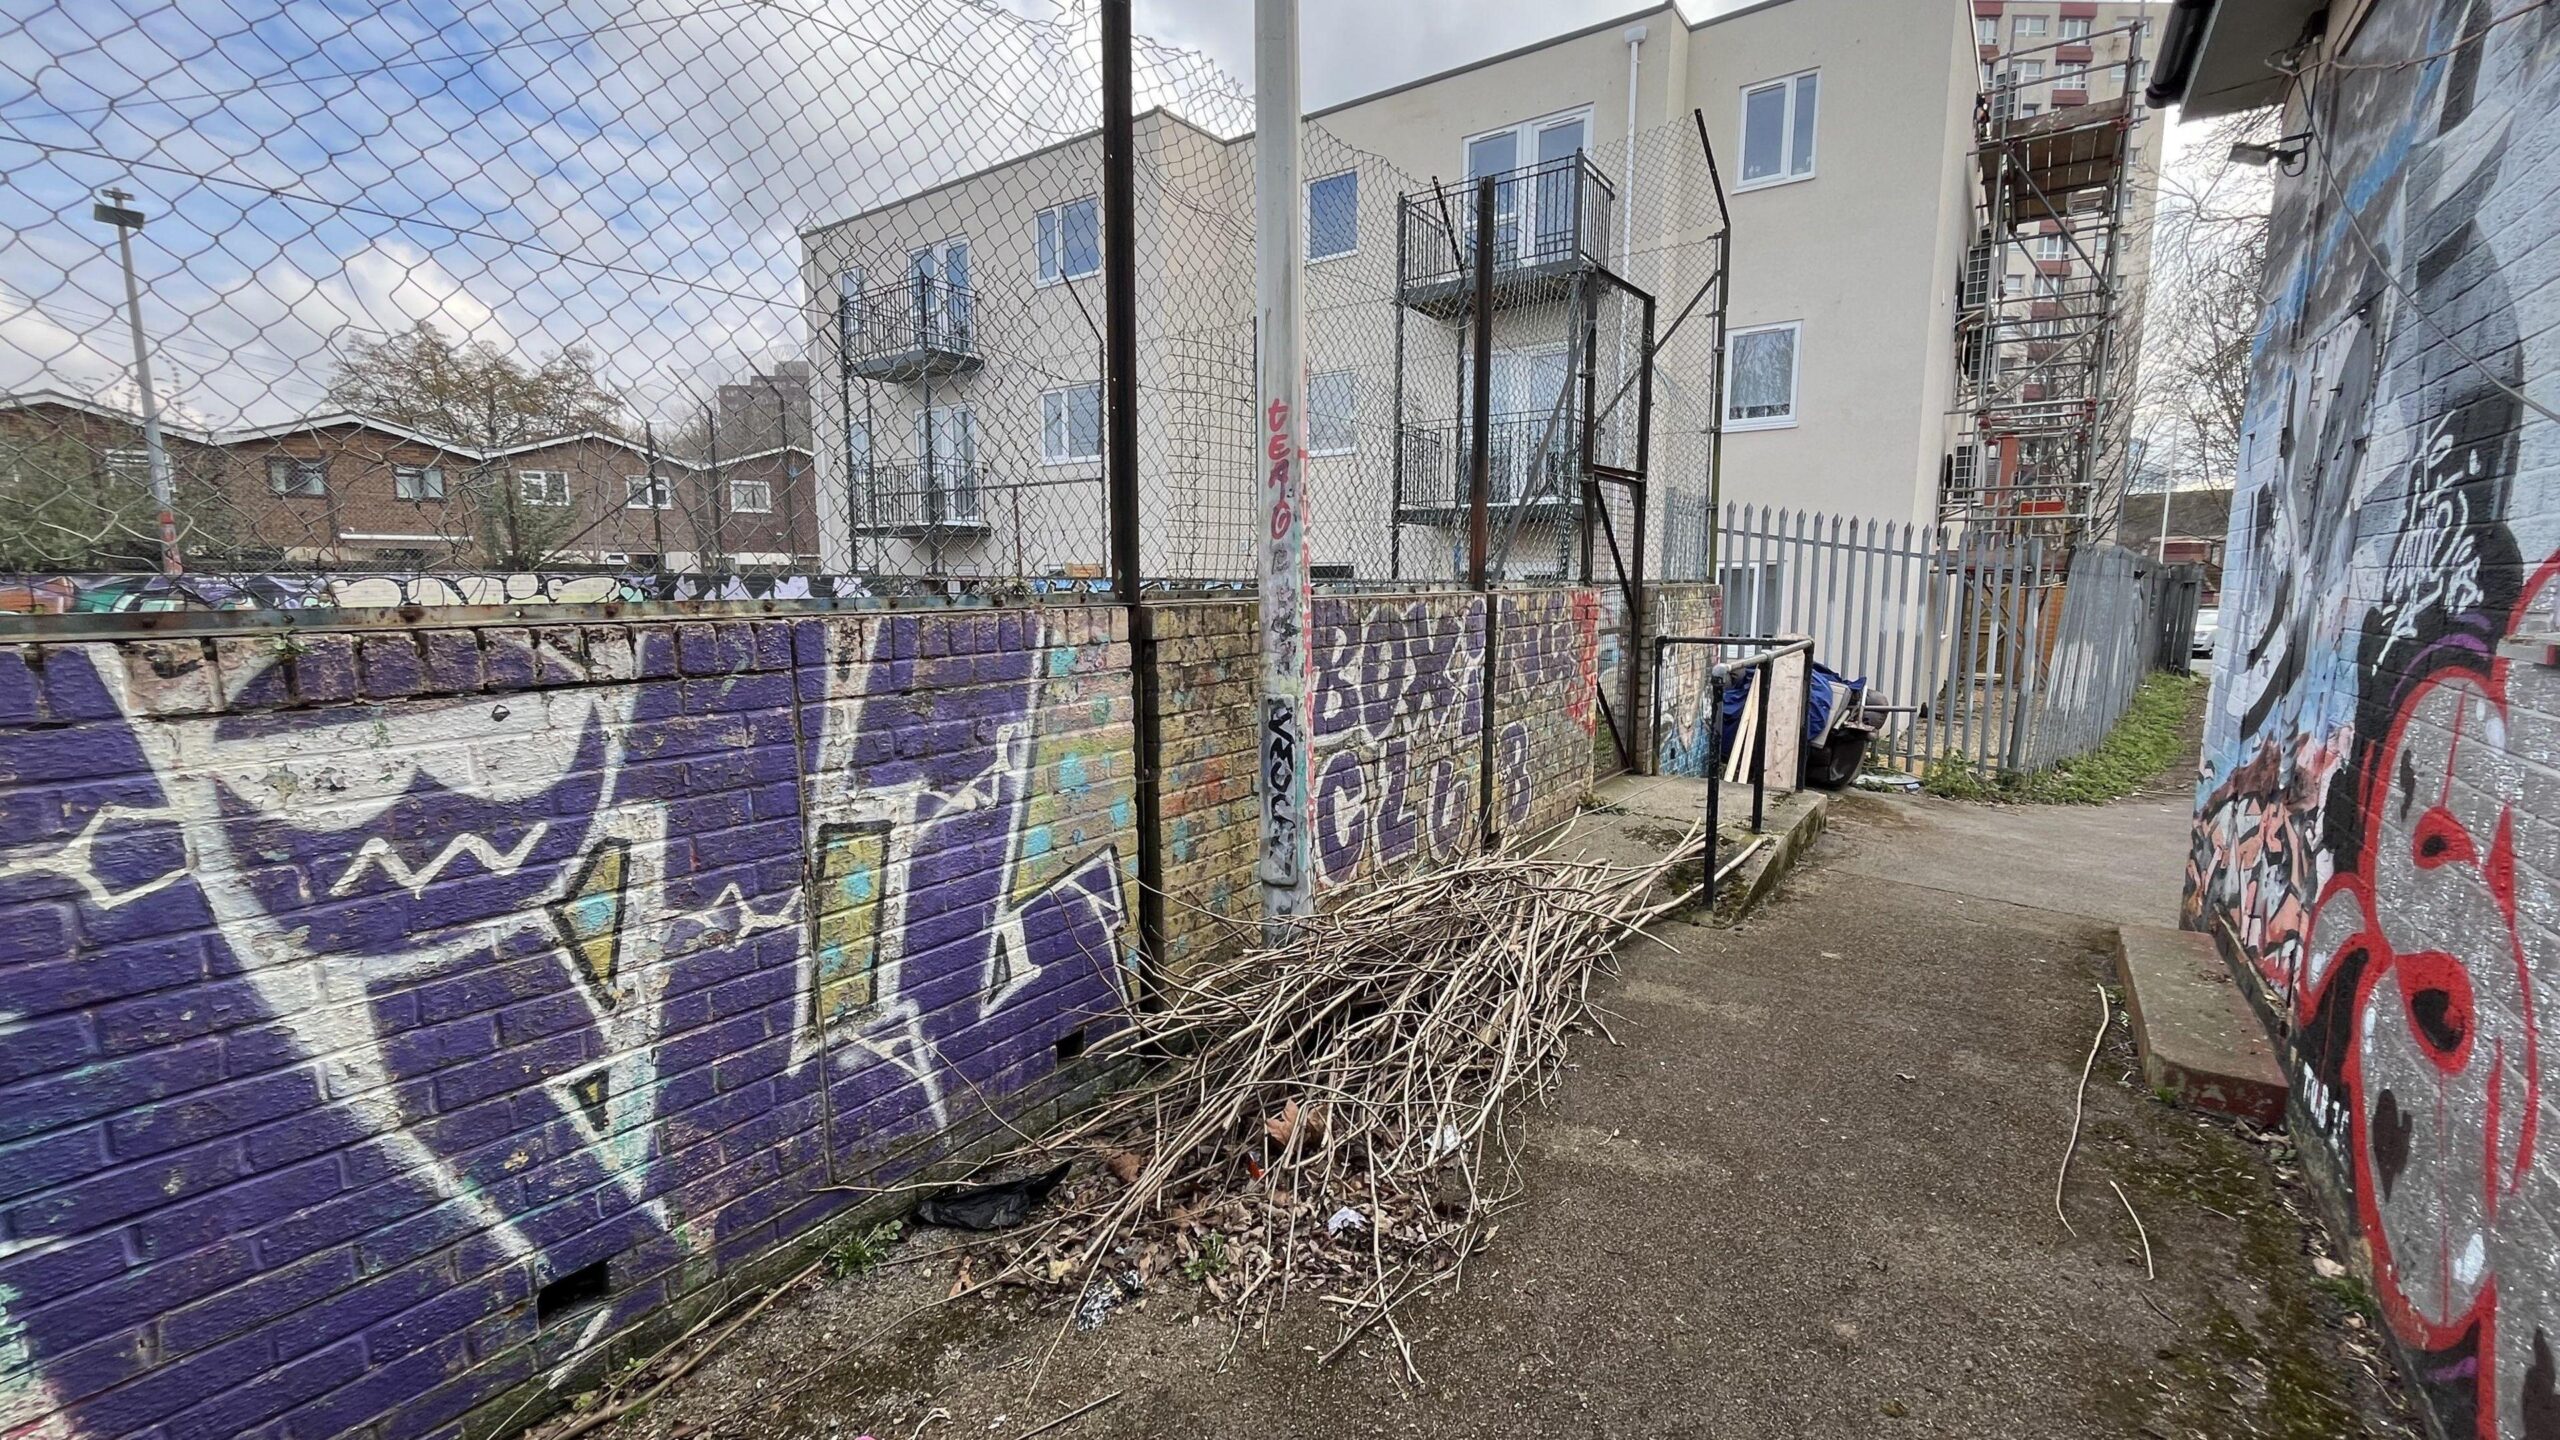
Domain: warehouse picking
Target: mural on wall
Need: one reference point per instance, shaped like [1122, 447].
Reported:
[328, 1036]
[103, 594]
[2375, 815]
[1398, 706]
[1398, 701]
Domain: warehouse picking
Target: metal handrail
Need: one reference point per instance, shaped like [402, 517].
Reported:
[1773, 650]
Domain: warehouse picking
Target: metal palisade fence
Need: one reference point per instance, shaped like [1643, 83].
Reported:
[1992, 652]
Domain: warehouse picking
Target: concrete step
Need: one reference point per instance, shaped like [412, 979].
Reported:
[2199, 1039]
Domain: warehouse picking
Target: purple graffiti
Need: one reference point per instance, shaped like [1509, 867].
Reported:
[331, 1035]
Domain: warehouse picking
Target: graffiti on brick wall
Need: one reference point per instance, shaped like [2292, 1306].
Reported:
[2374, 818]
[1398, 701]
[314, 590]
[1547, 702]
[328, 1035]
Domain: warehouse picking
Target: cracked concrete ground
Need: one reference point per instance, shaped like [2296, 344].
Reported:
[1810, 1194]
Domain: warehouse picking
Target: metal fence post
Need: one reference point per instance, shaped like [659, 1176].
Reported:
[1120, 432]
[1288, 882]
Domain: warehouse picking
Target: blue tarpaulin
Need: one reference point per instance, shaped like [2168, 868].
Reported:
[1828, 687]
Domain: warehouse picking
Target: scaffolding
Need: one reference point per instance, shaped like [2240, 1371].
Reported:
[2042, 425]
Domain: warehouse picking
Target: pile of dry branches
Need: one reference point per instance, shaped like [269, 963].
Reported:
[1340, 1114]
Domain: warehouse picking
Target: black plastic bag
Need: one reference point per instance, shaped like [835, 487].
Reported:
[1000, 1206]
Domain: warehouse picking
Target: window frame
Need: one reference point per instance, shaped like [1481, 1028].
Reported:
[1795, 378]
[414, 476]
[759, 482]
[1351, 174]
[1350, 419]
[2065, 33]
[1066, 425]
[1053, 243]
[2019, 34]
[1786, 174]
[526, 496]
[660, 490]
[286, 473]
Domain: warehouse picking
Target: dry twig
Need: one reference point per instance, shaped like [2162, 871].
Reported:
[2079, 1099]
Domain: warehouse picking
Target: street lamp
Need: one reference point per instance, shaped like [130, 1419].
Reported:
[113, 211]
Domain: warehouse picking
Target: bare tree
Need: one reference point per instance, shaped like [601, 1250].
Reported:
[474, 394]
[2208, 272]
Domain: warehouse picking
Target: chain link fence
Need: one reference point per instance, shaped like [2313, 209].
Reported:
[786, 299]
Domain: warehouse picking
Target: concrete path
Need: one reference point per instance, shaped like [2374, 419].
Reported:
[1810, 1196]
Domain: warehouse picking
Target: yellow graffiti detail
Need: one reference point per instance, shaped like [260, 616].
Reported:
[853, 869]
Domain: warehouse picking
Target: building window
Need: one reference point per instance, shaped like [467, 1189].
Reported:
[2026, 29]
[1070, 241]
[1071, 425]
[646, 492]
[1332, 413]
[289, 476]
[1986, 29]
[2071, 77]
[857, 446]
[2027, 72]
[417, 482]
[543, 487]
[1760, 383]
[2075, 27]
[751, 497]
[1777, 130]
[849, 309]
[1333, 215]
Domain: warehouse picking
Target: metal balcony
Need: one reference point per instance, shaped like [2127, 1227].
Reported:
[916, 329]
[920, 500]
[1550, 219]
[1535, 466]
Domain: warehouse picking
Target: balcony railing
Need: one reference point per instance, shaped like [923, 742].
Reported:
[1534, 464]
[912, 330]
[919, 498]
[1548, 218]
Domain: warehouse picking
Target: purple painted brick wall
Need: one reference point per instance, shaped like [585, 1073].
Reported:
[353, 989]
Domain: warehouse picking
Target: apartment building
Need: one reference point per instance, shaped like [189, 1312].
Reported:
[2048, 338]
[350, 491]
[958, 398]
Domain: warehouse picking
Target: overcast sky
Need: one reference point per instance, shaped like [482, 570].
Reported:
[1349, 48]
[631, 176]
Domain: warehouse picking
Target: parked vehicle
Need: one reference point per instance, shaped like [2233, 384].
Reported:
[2208, 622]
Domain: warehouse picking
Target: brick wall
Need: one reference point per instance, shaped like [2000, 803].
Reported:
[1682, 736]
[364, 994]
[2375, 833]
[1397, 698]
[355, 989]
[1208, 676]
[1546, 643]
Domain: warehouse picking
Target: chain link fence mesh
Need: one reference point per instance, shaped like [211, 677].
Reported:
[769, 300]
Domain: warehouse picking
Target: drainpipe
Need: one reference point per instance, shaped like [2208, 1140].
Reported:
[1626, 217]
[1627, 171]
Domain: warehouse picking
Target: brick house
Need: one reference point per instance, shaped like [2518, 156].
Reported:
[601, 499]
[345, 489]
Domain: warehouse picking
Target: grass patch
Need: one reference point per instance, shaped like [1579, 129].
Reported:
[2148, 740]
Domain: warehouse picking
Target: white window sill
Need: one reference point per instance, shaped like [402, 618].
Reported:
[1064, 461]
[1329, 454]
[1773, 182]
[1772, 423]
[1056, 281]
[1336, 255]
